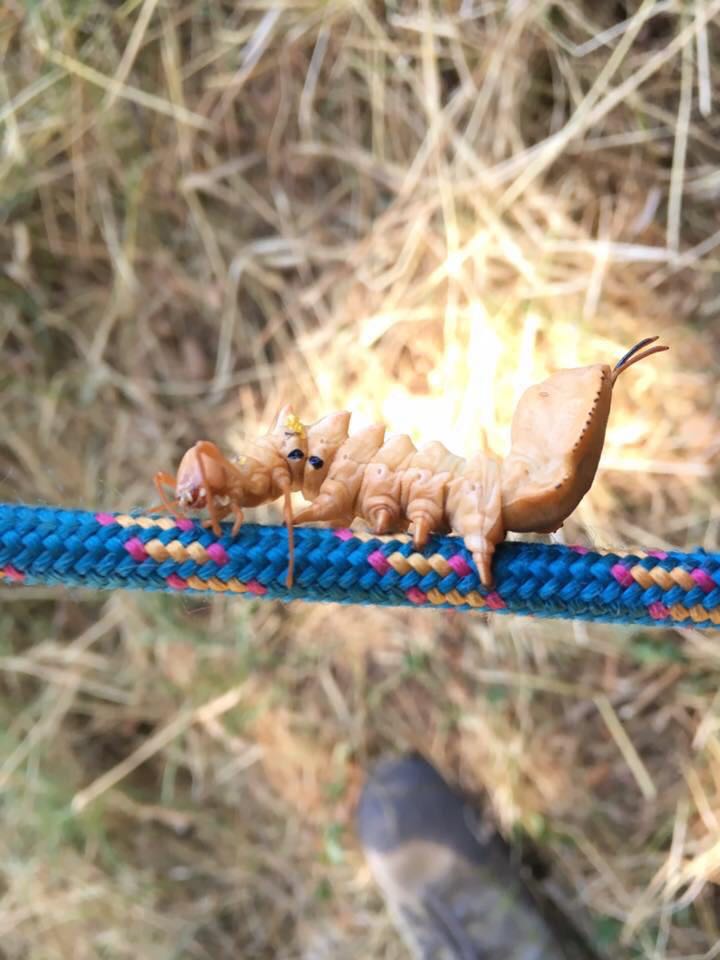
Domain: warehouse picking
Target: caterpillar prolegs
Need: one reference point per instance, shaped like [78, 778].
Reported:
[557, 435]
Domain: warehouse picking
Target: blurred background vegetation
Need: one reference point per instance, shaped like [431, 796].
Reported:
[409, 210]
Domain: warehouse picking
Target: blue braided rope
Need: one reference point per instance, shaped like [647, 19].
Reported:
[44, 545]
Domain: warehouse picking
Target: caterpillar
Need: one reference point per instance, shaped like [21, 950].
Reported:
[557, 436]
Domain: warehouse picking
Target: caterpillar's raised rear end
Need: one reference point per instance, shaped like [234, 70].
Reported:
[558, 432]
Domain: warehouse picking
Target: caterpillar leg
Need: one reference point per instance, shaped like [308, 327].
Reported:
[163, 480]
[325, 508]
[212, 508]
[220, 514]
[422, 529]
[238, 517]
[382, 521]
[483, 561]
[291, 538]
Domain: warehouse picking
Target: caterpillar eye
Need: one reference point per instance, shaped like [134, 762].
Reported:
[296, 455]
[316, 463]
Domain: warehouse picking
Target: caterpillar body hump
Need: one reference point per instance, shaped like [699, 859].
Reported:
[336, 499]
[392, 485]
[558, 431]
[324, 439]
[424, 488]
[379, 501]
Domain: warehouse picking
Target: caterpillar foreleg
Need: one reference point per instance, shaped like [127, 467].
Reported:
[220, 514]
[238, 518]
[291, 538]
[163, 480]
[208, 456]
[331, 506]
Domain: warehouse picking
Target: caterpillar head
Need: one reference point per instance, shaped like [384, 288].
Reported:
[194, 480]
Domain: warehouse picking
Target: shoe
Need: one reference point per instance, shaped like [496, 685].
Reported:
[453, 893]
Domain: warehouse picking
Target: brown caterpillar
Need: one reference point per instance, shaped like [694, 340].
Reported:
[557, 434]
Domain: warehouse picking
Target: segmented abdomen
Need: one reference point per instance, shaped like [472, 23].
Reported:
[390, 484]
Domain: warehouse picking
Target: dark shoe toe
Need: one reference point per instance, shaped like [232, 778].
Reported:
[453, 890]
[407, 799]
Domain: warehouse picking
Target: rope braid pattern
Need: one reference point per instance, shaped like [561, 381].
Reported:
[44, 545]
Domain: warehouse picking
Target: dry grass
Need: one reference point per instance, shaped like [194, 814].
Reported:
[413, 211]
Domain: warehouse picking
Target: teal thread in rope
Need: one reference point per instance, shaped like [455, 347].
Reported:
[45, 545]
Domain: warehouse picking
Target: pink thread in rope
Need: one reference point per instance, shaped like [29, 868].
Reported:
[218, 554]
[415, 595]
[136, 548]
[622, 575]
[459, 565]
[257, 588]
[379, 562]
[495, 601]
[658, 611]
[703, 580]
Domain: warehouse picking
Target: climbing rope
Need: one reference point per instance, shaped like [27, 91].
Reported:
[76, 548]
